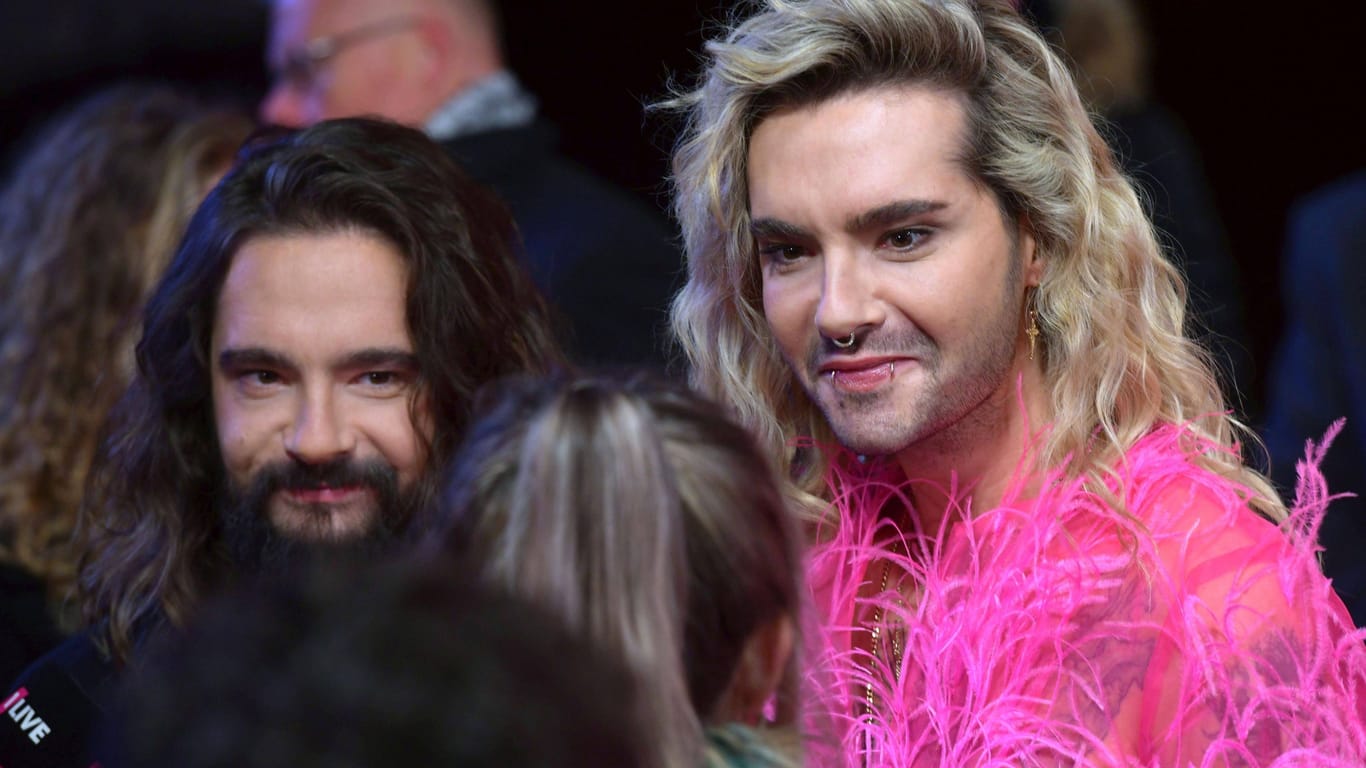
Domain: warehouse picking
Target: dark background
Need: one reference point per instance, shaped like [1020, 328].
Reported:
[1273, 97]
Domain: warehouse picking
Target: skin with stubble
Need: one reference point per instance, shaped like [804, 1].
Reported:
[866, 224]
[313, 377]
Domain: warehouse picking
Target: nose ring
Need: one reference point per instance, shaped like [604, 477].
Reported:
[844, 343]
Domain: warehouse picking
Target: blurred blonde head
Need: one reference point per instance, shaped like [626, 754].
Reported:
[1110, 306]
[1107, 45]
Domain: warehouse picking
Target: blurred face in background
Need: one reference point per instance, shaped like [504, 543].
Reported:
[340, 58]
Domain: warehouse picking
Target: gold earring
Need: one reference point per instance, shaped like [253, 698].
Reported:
[1033, 330]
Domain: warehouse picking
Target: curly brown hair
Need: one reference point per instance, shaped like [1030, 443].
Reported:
[87, 222]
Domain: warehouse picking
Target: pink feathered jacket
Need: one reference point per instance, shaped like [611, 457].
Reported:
[1054, 631]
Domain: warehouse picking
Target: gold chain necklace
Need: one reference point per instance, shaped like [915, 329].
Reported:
[876, 632]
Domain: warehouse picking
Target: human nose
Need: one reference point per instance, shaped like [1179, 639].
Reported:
[320, 432]
[849, 304]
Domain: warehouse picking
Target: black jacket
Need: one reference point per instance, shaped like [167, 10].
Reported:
[52, 712]
[607, 261]
[27, 630]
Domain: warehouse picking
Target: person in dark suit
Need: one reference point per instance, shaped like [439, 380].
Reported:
[1319, 374]
[606, 260]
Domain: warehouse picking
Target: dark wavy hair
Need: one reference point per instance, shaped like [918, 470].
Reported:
[88, 221]
[358, 666]
[150, 529]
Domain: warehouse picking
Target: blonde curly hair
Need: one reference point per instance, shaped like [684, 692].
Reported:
[1111, 306]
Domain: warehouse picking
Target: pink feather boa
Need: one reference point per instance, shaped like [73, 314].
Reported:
[1054, 631]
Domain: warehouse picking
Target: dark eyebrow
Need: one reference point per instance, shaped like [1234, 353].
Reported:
[253, 357]
[777, 229]
[375, 357]
[892, 213]
[384, 357]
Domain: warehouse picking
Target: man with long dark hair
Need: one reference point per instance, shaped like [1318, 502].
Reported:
[307, 362]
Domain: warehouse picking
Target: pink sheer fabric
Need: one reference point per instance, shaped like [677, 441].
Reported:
[1055, 630]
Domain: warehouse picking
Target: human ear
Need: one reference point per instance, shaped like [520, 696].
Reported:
[436, 48]
[758, 673]
[1027, 251]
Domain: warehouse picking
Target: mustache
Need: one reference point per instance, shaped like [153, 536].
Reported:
[903, 342]
[339, 473]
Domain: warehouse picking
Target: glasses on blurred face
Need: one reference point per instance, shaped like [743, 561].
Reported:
[302, 66]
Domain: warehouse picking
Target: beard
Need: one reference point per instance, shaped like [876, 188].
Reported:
[257, 547]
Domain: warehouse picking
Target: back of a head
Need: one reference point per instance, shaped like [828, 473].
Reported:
[379, 666]
[87, 223]
[652, 524]
[1110, 306]
[471, 310]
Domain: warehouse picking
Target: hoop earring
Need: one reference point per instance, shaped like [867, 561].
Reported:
[844, 343]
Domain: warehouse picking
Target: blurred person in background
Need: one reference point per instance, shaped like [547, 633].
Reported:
[371, 667]
[649, 522]
[88, 221]
[1106, 43]
[606, 260]
[1319, 373]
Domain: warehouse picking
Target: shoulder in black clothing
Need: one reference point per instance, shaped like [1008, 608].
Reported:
[606, 260]
[53, 709]
[27, 629]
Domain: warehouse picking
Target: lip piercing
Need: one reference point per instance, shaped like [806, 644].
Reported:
[844, 343]
[891, 370]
